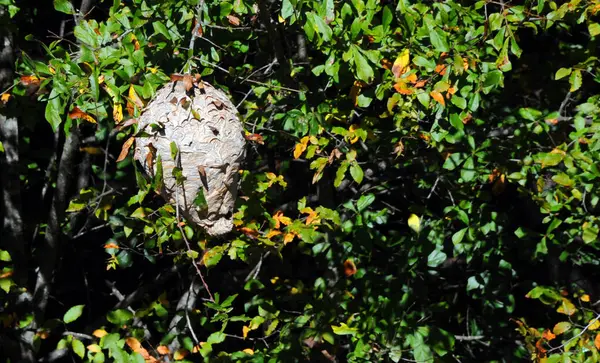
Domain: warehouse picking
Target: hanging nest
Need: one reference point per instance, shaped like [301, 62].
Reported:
[198, 125]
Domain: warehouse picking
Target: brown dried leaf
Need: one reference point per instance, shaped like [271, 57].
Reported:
[188, 82]
[255, 138]
[125, 149]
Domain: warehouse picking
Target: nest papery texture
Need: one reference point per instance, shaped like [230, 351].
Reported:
[205, 126]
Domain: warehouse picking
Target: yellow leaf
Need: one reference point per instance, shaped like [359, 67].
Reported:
[566, 307]
[99, 333]
[135, 98]
[401, 63]
[118, 113]
[414, 222]
[300, 147]
[280, 19]
[245, 331]
[438, 97]
[289, 237]
[94, 348]
[272, 233]
[248, 351]
[594, 325]
[5, 97]
[180, 354]
[585, 298]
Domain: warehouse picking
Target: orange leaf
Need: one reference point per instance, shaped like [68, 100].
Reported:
[312, 215]
[133, 343]
[450, 92]
[438, 97]
[597, 341]
[30, 80]
[110, 245]
[6, 274]
[548, 335]
[420, 84]
[440, 69]
[198, 31]
[99, 333]
[280, 218]
[412, 78]
[585, 298]
[163, 349]
[125, 148]
[78, 113]
[233, 20]
[256, 138]
[245, 331]
[349, 268]
[466, 119]
[402, 88]
[249, 232]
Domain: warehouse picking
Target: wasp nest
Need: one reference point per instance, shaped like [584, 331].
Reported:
[199, 125]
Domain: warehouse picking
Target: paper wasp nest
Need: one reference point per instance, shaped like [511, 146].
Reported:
[209, 137]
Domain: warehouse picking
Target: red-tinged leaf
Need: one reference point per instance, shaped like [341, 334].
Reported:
[438, 97]
[420, 84]
[349, 268]
[77, 113]
[198, 31]
[125, 148]
[30, 80]
[401, 63]
[131, 121]
[255, 138]
[233, 20]
[176, 77]
[561, 327]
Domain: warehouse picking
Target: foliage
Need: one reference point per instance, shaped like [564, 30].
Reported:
[418, 175]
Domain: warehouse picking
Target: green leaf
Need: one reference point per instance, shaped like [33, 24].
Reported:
[459, 102]
[458, 236]
[590, 233]
[438, 40]
[341, 173]
[594, 29]
[160, 28]
[492, 78]
[530, 114]
[54, 109]
[216, 338]
[436, 258]
[78, 348]
[200, 200]
[64, 6]
[344, 329]
[174, 150]
[73, 313]
[356, 172]
[287, 9]
[119, 316]
[364, 201]
[561, 327]
[563, 179]
[363, 69]
[575, 80]
[562, 73]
